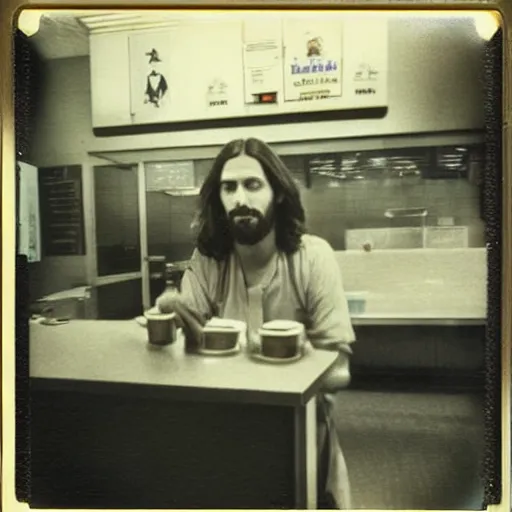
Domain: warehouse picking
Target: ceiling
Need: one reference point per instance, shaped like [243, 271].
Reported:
[61, 36]
[64, 34]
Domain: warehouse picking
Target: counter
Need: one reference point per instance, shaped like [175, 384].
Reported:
[118, 424]
[418, 286]
[89, 354]
[396, 319]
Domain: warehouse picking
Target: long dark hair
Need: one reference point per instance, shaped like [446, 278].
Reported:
[214, 238]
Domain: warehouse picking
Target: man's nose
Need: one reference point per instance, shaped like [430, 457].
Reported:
[240, 196]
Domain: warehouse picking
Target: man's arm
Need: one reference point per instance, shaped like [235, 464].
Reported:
[192, 304]
[195, 284]
[330, 327]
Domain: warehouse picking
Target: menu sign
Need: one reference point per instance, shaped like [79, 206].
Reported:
[313, 60]
[62, 219]
[172, 175]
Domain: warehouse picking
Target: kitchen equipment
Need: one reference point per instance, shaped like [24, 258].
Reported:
[447, 237]
[415, 213]
[371, 239]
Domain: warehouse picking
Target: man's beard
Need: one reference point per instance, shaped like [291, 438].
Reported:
[254, 228]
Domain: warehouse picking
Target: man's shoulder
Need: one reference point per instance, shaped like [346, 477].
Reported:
[312, 245]
[206, 263]
[315, 254]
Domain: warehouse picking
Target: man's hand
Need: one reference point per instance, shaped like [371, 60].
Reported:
[190, 321]
[167, 302]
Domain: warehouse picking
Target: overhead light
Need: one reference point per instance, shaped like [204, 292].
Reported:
[486, 23]
[29, 20]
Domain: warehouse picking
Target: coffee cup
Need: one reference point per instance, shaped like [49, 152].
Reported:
[281, 339]
[221, 334]
[161, 327]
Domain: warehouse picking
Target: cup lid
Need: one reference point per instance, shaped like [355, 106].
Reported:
[156, 315]
[281, 328]
[224, 324]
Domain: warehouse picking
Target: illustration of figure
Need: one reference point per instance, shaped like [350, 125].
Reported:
[314, 47]
[217, 93]
[366, 72]
[217, 87]
[156, 85]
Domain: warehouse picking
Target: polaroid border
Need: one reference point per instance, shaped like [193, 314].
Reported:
[8, 12]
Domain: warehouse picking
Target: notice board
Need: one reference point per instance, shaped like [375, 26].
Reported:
[62, 214]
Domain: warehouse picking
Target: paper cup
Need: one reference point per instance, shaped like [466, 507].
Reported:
[221, 334]
[281, 339]
[161, 328]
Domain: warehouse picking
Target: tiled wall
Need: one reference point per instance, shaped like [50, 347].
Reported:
[361, 204]
[330, 211]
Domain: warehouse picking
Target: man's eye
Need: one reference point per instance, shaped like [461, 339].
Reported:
[229, 186]
[252, 184]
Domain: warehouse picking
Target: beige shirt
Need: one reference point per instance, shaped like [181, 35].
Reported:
[306, 286]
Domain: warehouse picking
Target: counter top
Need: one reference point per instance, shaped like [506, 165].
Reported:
[419, 319]
[427, 307]
[114, 356]
[418, 286]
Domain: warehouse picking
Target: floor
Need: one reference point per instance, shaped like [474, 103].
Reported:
[412, 450]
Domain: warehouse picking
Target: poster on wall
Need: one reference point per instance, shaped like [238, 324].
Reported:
[217, 94]
[220, 73]
[263, 63]
[365, 66]
[29, 230]
[206, 63]
[150, 76]
[313, 59]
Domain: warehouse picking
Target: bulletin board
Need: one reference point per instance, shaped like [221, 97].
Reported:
[261, 66]
[62, 215]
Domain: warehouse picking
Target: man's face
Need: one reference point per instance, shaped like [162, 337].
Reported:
[248, 198]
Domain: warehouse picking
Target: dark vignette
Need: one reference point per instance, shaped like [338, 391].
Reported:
[492, 209]
[27, 78]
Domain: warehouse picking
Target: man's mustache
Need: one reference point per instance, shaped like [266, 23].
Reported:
[244, 211]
